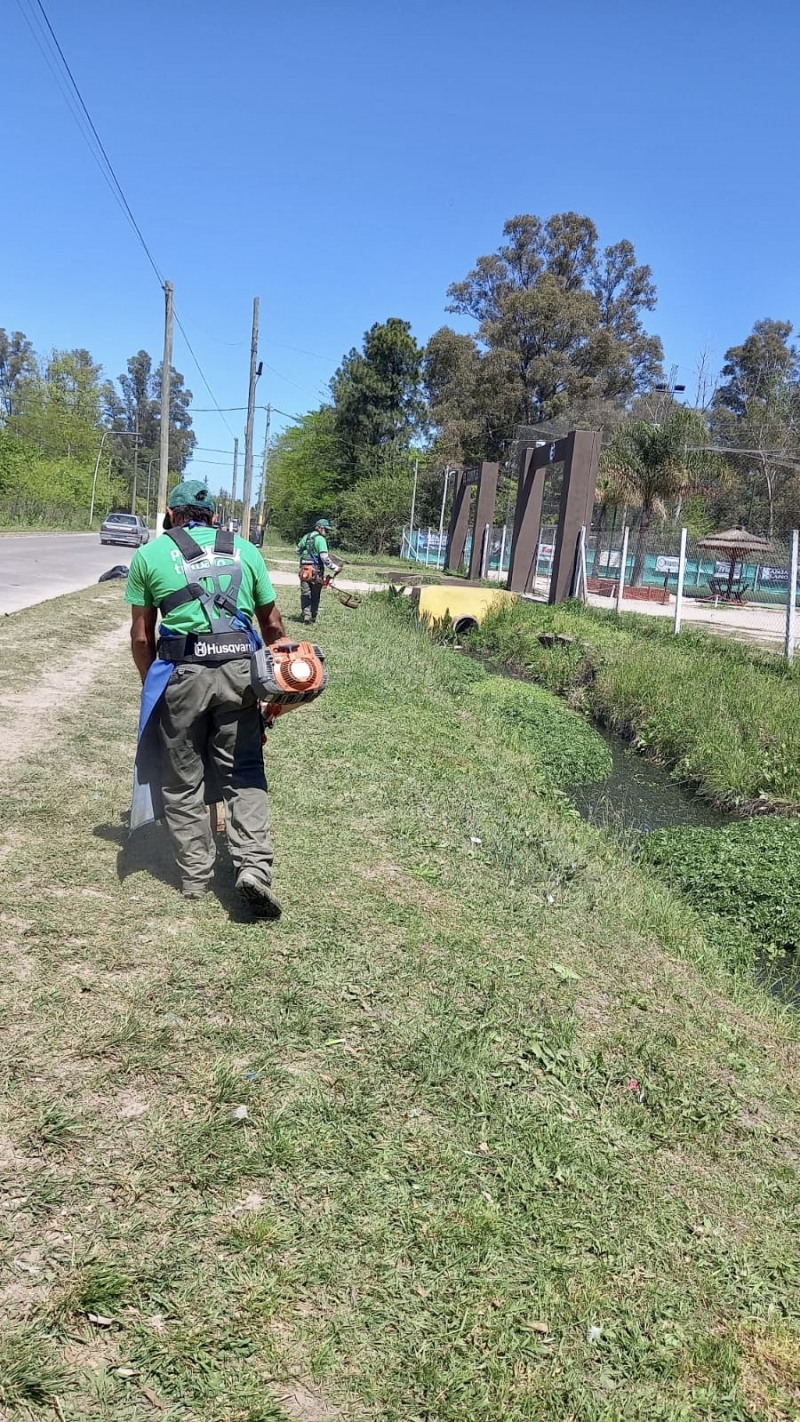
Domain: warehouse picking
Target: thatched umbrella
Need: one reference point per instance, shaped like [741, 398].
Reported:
[739, 543]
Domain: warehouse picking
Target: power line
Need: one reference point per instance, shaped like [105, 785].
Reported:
[300, 351]
[109, 173]
[182, 330]
[137, 229]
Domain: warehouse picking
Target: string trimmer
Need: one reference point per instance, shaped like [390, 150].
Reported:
[347, 599]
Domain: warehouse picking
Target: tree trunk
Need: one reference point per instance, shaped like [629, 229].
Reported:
[641, 545]
[770, 483]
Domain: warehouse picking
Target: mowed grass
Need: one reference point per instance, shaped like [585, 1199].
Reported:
[516, 1144]
[43, 639]
[726, 717]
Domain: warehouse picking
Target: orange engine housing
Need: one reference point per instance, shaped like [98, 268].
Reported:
[288, 674]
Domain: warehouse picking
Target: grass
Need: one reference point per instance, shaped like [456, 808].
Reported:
[725, 717]
[561, 745]
[278, 553]
[501, 1093]
[43, 638]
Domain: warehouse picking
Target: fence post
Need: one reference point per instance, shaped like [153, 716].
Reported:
[681, 577]
[623, 562]
[485, 551]
[791, 600]
[502, 551]
[579, 588]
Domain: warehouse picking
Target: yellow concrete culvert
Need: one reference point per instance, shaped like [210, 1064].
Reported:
[466, 606]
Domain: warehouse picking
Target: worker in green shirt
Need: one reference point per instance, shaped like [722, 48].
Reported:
[316, 565]
[200, 717]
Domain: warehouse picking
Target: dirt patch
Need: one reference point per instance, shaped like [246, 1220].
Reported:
[770, 1373]
[300, 1403]
[35, 712]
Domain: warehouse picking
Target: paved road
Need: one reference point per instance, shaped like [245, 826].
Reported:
[37, 566]
[34, 567]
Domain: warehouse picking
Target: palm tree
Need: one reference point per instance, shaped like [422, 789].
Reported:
[652, 463]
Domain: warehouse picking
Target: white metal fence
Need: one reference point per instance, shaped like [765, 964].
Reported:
[669, 574]
[664, 573]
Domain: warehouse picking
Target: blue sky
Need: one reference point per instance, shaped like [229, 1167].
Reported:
[347, 160]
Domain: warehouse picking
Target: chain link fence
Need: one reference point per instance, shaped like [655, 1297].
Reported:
[741, 595]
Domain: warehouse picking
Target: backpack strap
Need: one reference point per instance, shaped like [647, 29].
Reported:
[188, 546]
[194, 591]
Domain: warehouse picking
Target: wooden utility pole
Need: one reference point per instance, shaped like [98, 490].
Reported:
[247, 491]
[135, 462]
[264, 471]
[235, 476]
[166, 370]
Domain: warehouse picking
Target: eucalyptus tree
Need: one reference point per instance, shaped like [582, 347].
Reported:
[757, 410]
[559, 322]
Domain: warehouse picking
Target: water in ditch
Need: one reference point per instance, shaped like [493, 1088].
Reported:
[639, 796]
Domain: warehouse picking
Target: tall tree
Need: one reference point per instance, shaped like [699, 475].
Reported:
[559, 320]
[757, 409]
[471, 396]
[136, 406]
[17, 364]
[303, 477]
[377, 398]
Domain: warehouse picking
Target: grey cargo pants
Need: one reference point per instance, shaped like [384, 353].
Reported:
[210, 726]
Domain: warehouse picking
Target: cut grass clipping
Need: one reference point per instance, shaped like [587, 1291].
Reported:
[481, 1129]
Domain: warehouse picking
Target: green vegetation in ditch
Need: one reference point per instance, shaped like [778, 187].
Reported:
[562, 746]
[747, 873]
[510, 1150]
[725, 717]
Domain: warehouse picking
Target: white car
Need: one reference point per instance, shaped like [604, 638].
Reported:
[130, 529]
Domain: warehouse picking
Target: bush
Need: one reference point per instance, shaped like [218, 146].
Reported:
[373, 512]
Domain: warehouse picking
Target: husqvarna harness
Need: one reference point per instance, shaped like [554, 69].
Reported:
[213, 578]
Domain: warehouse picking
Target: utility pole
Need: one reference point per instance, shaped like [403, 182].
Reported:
[166, 369]
[235, 475]
[135, 462]
[247, 491]
[149, 472]
[264, 470]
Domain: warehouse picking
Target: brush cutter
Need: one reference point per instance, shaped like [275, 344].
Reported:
[347, 599]
[309, 574]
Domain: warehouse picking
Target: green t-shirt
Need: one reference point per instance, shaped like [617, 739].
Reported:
[313, 543]
[157, 569]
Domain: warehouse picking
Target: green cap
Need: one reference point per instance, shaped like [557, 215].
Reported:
[191, 493]
[322, 523]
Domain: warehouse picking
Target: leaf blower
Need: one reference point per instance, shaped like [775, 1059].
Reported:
[286, 675]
